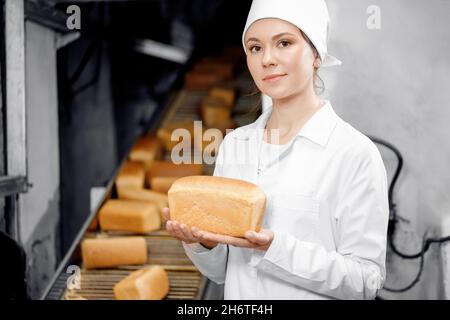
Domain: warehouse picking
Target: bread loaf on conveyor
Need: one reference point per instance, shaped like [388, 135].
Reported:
[165, 134]
[180, 139]
[225, 94]
[129, 215]
[214, 111]
[162, 184]
[151, 283]
[146, 149]
[113, 252]
[93, 226]
[131, 175]
[170, 169]
[224, 70]
[217, 204]
[194, 80]
[159, 199]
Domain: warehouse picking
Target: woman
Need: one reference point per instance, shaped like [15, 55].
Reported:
[325, 224]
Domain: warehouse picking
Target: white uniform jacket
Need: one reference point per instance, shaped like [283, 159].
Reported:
[327, 204]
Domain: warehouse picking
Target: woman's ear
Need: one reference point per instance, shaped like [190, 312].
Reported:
[317, 63]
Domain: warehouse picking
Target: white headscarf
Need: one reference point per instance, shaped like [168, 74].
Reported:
[310, 16]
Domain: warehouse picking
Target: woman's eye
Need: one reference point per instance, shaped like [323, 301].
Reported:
[284, 43]
[255, 48]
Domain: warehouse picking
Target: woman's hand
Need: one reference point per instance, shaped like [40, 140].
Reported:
[255, 240]
[183, 233]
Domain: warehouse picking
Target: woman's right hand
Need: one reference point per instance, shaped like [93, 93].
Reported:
[183, 233]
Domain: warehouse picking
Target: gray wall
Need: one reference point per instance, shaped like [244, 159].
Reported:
[39, 208]
[393, 84]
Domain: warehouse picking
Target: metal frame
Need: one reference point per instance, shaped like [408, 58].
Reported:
[15, 13]
[44, 13]
[10, 186]
[16, 164]
[14, 114]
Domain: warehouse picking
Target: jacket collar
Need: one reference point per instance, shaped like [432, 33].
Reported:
[318, 128]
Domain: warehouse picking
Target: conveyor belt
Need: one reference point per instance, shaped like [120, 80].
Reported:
[98, 284]
[186, 282]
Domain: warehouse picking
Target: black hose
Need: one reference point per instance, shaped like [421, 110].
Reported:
[393, 221]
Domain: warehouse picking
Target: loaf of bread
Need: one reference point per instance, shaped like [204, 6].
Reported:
[199, 80]
[131, 175]
[151, 283]
[225, 94]
[169, 169]
[129, 215]
[214, 111]
[165, 135]
[157, 198]
[222, 69]
[146, 149]
[162, 184]
[113, 252]
[217, 204]
[93, 226]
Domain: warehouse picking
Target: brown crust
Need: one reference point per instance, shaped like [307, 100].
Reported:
[150, 283]
[217, 204]
[169, 169]
[129, 215]
[162, 184]
[146, 149]
[132, 174]
[221, 183]
[112, 252]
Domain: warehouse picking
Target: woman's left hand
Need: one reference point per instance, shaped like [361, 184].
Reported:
[255, 240]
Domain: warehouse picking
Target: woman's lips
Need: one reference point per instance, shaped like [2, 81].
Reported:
[274, 79]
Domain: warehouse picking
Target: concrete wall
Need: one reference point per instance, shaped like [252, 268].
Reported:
[393, 84]
[39, 208]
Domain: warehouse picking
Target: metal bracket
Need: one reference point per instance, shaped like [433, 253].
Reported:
[162, 51]
[13, 185]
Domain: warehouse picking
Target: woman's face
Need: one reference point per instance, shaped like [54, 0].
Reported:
[280, 60]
